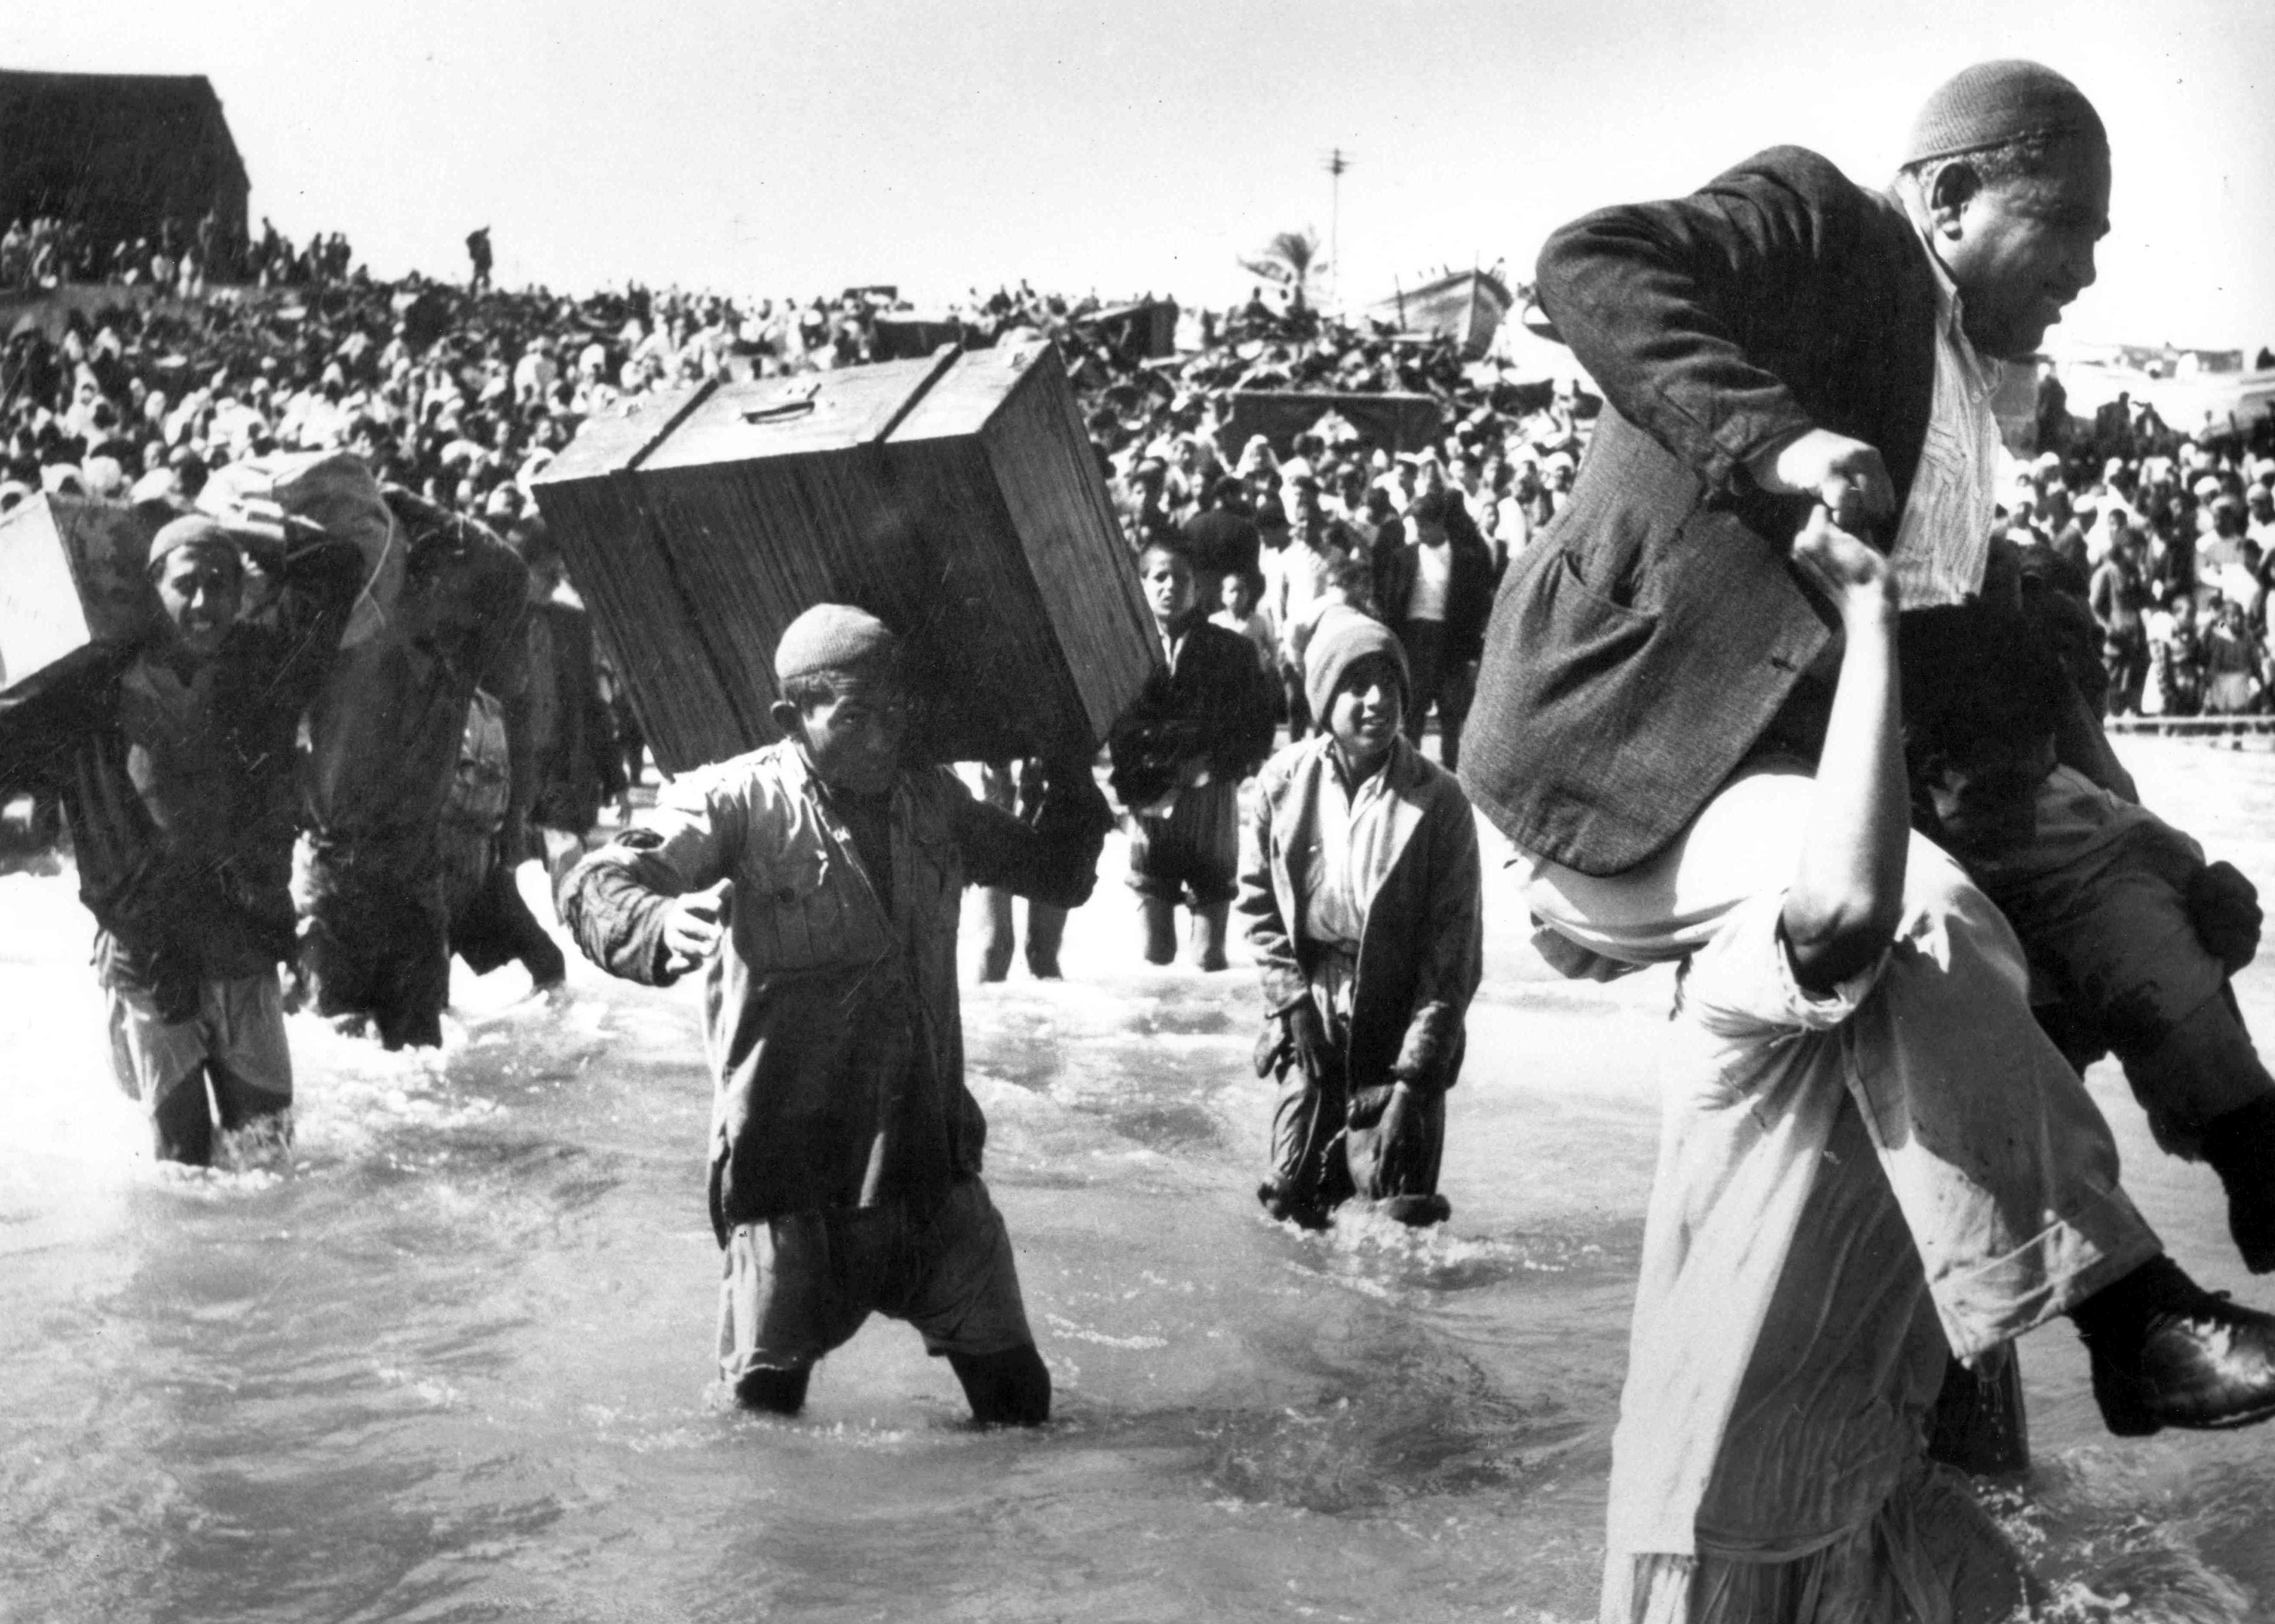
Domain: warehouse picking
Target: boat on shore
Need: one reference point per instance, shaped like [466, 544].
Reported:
[1464, 307]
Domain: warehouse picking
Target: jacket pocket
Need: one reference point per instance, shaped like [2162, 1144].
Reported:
[797, 874]
[1577, 636]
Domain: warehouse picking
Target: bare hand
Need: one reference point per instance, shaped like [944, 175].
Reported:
[1846, 475]
[1307, 1037]
[1850, 569]
[1396, 1164]
[695, 927]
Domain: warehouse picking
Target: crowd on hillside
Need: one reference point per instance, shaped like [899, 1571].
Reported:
[462, 397]
[41, 252]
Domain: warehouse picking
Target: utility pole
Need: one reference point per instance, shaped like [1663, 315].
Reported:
[1337, 161]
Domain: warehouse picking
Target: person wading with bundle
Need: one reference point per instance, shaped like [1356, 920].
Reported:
[819, 882]
[1657, 672]
[174, 760]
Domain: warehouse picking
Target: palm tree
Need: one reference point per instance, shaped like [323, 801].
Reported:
[1290, 259]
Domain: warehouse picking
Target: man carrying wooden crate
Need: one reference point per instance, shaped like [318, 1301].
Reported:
[822, 879]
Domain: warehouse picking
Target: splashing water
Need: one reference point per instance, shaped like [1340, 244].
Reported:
[449, 1358]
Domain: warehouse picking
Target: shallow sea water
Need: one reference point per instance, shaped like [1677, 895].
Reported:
[453, 1362]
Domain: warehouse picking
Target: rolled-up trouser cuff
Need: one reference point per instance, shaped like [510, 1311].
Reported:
[2060, 1267]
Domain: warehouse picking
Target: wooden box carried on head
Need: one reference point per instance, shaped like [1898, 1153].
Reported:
[957, 498]
[72, 573]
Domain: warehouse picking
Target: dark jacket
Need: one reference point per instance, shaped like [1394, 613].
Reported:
[574, 765]
[1468, 591]
[186, 868]
[1643, 643]
[831, 1015]
[1214, 705]
[384, 732]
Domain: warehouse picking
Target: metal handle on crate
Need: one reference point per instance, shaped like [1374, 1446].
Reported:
[782, 411]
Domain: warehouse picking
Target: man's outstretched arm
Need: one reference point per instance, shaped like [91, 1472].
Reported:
[1848, 893]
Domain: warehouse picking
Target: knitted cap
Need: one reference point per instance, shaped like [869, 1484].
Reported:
[1994, 103]
[196, 530]
[831, 637]
[1343, 638]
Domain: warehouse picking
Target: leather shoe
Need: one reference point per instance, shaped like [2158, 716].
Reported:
[2198, 1361]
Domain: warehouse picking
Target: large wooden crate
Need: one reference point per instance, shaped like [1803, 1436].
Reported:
[71, 572]
[957, 498]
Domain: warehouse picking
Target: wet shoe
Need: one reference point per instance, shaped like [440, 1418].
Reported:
[2196, 1361]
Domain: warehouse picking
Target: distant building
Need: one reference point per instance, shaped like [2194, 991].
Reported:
[122, 152]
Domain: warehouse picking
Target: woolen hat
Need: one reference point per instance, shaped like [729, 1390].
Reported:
[832, 636]
[1343, 638]
[1994, 103]
[195, 529]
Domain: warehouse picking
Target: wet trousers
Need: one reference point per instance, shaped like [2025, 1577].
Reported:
[1325, 1152]
[374, 934]
[233, 1043]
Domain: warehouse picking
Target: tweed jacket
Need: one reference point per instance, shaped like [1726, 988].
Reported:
[1641, 647]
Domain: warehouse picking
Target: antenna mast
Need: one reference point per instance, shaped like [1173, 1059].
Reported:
[1337, 161]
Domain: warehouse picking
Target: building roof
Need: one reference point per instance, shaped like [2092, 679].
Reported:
[183, 104]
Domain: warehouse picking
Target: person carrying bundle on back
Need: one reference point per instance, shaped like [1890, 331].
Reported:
[820, 882]
[174, 759]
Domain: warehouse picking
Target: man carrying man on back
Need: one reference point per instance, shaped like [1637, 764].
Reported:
[1785, 334]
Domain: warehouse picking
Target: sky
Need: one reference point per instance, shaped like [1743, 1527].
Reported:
[798, 146]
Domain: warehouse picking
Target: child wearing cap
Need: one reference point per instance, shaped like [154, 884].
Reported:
[819, 882]
[174, 759]
[1361, 899]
